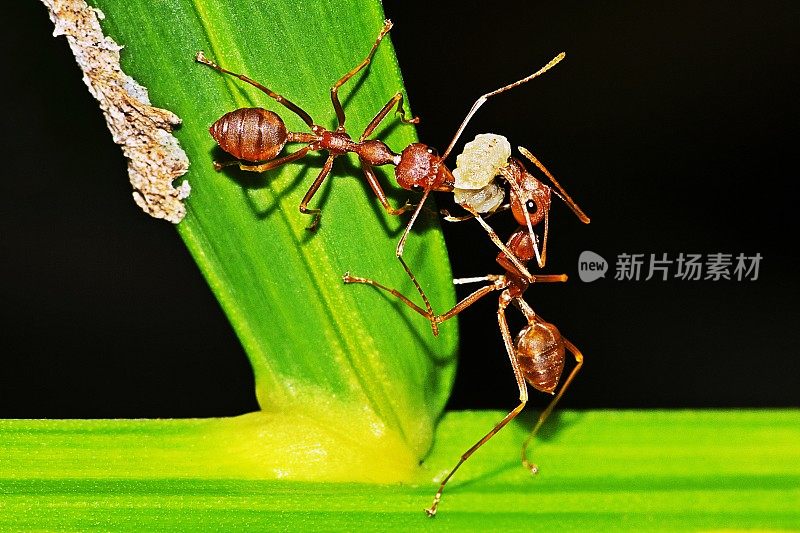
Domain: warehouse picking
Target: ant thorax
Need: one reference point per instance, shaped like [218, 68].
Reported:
[477, 169]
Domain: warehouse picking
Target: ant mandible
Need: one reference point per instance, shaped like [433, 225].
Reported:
[254, 135]
[537, 354]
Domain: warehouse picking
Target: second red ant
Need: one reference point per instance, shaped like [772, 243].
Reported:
[537, 354]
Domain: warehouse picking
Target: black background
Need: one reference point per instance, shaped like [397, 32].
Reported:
[674, 126]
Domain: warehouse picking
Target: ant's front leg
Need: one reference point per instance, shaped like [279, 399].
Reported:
[375, 185]
[399, 253]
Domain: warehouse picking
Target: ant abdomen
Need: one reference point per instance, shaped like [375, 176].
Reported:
[250, 133]
[540, 352]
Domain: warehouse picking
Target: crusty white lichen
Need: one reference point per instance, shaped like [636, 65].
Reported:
[155, 158]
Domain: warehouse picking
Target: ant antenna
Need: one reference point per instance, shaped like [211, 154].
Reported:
[560, 192]
[482, 100]
[540, 260]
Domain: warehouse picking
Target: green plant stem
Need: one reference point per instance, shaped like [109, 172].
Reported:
[600, 470]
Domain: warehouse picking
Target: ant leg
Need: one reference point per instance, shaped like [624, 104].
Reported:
[317, 213]
[347, 278]
[546, 413]
[523, 399]
[560, 192]
[337, 105]
[264, 166]
[482, 100]
[375, 185]
[396, 99]
[498, 284]
[450, 218]
[537, 278]
[294, 108]
[399, 253]
[510, 255]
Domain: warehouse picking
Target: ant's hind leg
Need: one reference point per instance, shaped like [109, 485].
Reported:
[263, 167]
[294, 108]
[523, 399]
[546, 413]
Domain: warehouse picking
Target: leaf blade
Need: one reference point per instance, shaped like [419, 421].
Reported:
[310, 339]
[600, 470]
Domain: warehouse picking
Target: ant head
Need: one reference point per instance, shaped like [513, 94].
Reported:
[527, 193]
[540, 352]
[421, 166]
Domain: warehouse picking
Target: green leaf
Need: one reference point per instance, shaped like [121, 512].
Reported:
[599, 471]
[328, 358]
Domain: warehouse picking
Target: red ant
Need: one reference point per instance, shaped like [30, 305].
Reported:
[255, 134]
[252, 135]
[537, 355]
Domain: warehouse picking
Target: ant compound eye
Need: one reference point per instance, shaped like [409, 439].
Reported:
[416, 188]
[530, 206]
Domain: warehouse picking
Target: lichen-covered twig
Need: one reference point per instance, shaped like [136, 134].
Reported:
[155, 158]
